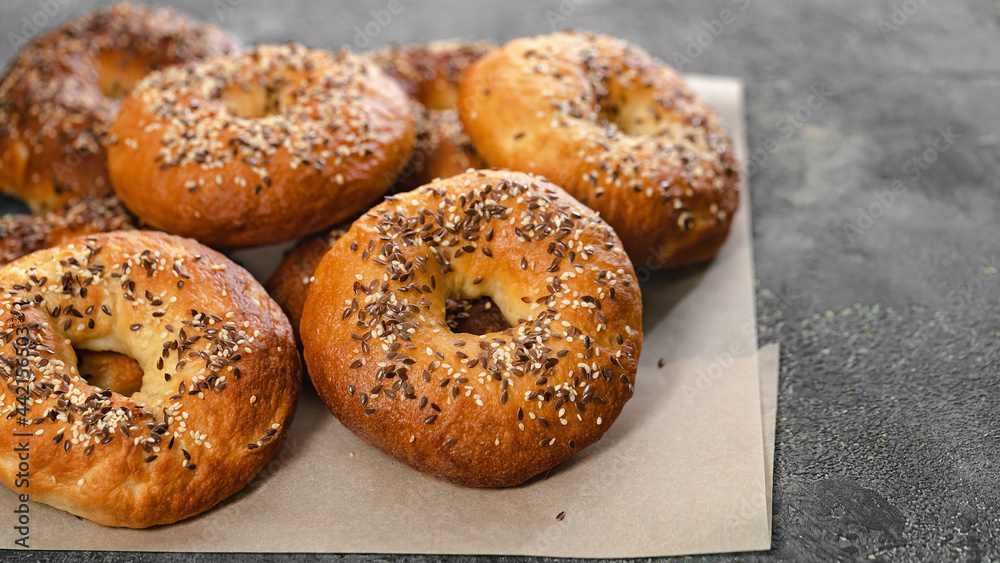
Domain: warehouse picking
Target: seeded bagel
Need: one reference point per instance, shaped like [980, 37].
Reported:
[219, 384]
[618, 129]
[491, 409]
[268, 145]
[59, 96]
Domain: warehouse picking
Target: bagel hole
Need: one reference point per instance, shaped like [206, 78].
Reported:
[254, 101]
[629, 117]
[110, 370]
[117, 75]
[474, 316]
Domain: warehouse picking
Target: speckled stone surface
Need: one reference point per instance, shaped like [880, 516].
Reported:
[875, 129]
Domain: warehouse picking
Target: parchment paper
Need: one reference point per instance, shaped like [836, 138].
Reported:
[684, 470]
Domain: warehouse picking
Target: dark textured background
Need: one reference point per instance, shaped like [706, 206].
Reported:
[887, 437]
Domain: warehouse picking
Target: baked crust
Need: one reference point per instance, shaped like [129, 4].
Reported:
[60, 94]
[485, 410]
[618, 129]
[221, 376]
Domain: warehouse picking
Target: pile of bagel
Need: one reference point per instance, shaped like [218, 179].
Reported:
[464, 295]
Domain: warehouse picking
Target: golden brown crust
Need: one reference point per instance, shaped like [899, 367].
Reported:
[221, 376]
[58, 97]
[430, 75]
[291, 279]
[24, 234]
[268, 145]
[618, 129]
[481, 410]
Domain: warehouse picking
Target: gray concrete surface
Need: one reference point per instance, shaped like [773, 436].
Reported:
[883, 296]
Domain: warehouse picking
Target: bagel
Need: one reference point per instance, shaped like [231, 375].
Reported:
[220, 381]
[430, 73]
[268, 145]
[59, 95]
[618, 129]
[490, 409]
[24, 234]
